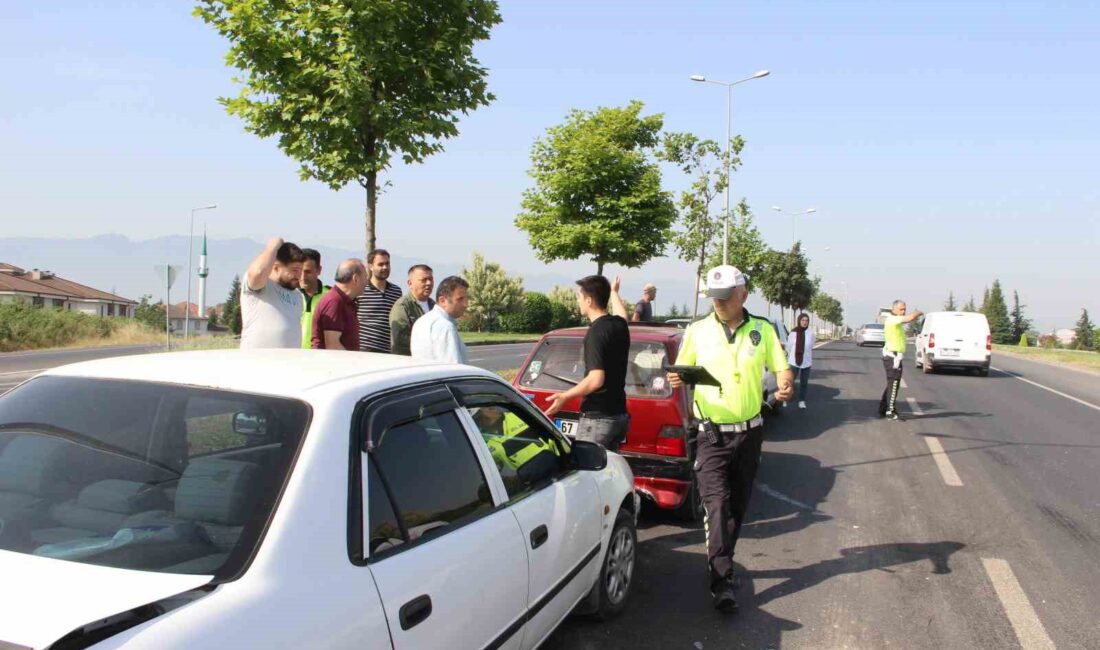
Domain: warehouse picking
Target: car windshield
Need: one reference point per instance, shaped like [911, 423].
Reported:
[141, 475]
[558, 364]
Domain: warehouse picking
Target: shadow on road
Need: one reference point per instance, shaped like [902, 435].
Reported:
[825, 412]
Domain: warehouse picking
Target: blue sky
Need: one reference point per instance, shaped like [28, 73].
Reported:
[942, 143]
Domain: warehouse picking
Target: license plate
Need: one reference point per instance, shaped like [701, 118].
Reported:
[949, 352]
[568, 427]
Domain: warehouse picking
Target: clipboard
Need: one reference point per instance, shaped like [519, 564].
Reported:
[694, 375]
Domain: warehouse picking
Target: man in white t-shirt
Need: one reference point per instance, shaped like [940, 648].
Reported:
[271, 305]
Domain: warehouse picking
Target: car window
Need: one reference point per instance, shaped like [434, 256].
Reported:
[525, 452]
[558, 364]
[136, 475]
[424, 479]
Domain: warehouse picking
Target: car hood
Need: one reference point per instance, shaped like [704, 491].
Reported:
[43, 599]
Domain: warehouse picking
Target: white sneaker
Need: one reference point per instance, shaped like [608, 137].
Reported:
[802, 405]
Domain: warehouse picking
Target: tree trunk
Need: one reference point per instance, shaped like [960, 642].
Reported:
[372, 214]
[698, 273]
[599, 267]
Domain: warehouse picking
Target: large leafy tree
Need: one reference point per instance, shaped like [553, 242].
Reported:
[598, 190]
[996, 312]
[150, 313]
[787, 282]
[492, 293]
[346, 85]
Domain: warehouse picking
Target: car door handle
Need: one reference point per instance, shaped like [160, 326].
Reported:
[539, 536]
[415, 611]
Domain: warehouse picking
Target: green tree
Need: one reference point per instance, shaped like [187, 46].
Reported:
[747, 250]
[950, 304]
[705, 163]
[492, 293]
[786, 281]
[598, 190]
[996, 312]
[985, 301]
[348, 85]
[212, 317]
[150, 313]
[232, 313]
[1084, 332]
[970, 306]
[1020, 323]
[535, 314]
[564, 302]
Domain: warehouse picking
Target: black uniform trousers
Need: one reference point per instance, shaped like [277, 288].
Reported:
[725, 473]
[889, 402]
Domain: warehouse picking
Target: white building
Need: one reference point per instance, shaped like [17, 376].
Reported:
[45, 289]
[177, 320]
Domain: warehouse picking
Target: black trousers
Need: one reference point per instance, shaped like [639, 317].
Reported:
[889, 402]
[725, 473]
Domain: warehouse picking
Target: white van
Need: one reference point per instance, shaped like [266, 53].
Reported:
[954, 339]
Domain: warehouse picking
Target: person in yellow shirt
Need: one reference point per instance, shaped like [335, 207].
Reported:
[893, 351]
[733, 346]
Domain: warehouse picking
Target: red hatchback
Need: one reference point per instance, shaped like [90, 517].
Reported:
[658, 447]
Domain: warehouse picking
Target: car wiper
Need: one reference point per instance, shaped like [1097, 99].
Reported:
[84, 441]
[562, 379]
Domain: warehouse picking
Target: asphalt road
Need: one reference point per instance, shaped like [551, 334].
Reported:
[16, 367]
[856, 539]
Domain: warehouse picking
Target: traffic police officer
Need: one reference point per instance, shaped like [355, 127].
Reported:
[893, 351]
[733, 346]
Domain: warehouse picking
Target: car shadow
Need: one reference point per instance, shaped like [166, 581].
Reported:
[670, 606]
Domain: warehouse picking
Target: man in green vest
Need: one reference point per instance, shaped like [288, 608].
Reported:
[312, 290]
[733, 346]
[893, 351]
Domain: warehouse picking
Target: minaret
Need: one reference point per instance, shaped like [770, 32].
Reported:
[203, 272]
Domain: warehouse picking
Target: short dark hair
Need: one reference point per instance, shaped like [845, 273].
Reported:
[375, 253]
[448, 286]
[312, 254]
[289, 253]
[420, 267]
[597, 288]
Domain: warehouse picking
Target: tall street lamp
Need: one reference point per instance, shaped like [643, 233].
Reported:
[794, 219]
[190, 253]
[729, 85]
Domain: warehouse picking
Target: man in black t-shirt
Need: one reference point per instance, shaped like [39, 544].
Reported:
[604, 418]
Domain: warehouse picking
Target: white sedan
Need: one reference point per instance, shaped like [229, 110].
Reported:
[299, 499]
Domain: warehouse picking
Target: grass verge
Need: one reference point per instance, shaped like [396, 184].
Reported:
[482, 338]
[1075, 358]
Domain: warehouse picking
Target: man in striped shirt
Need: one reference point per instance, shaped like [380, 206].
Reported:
[375, 304]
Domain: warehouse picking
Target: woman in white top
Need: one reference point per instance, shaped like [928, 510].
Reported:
[800, 346]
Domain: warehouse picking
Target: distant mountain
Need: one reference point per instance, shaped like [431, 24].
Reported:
[126, 267]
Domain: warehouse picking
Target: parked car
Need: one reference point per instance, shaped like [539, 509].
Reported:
[660, 446]
[871, 334]
[296, 498]
[954, 339]
[682, 323]
[771, 383]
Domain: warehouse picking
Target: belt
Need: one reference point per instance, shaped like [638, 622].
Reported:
[739, 427]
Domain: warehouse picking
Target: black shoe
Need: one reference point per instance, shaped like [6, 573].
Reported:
[724, 600]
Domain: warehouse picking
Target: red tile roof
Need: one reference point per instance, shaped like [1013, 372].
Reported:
[13, 278]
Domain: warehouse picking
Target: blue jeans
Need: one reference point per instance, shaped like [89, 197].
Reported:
[803, 382]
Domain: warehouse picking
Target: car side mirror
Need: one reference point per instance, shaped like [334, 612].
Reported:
[589, 456]
[250, 424]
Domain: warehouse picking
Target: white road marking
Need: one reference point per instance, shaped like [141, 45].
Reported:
[1048, 388]
[947, 470]
[1029, 629]
[776, 494]
[913, 406]
[903, 384]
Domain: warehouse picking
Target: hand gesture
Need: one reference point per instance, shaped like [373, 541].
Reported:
[556, 403]
[616, 283]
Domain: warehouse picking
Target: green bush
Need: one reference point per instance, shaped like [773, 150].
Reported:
[534, 315]
[23, 327]
[562, 316]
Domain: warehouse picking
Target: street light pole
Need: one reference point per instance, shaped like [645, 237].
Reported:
[729, 150]
[794, 220]
[190, 253]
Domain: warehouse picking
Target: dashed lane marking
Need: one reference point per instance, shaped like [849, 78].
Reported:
[913, 406]
[1025, 622]
[1048, 388]
[903, 384]
[947, 470]
[22, 372]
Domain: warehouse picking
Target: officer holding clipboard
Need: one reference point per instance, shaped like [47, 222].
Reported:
[732, 347]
